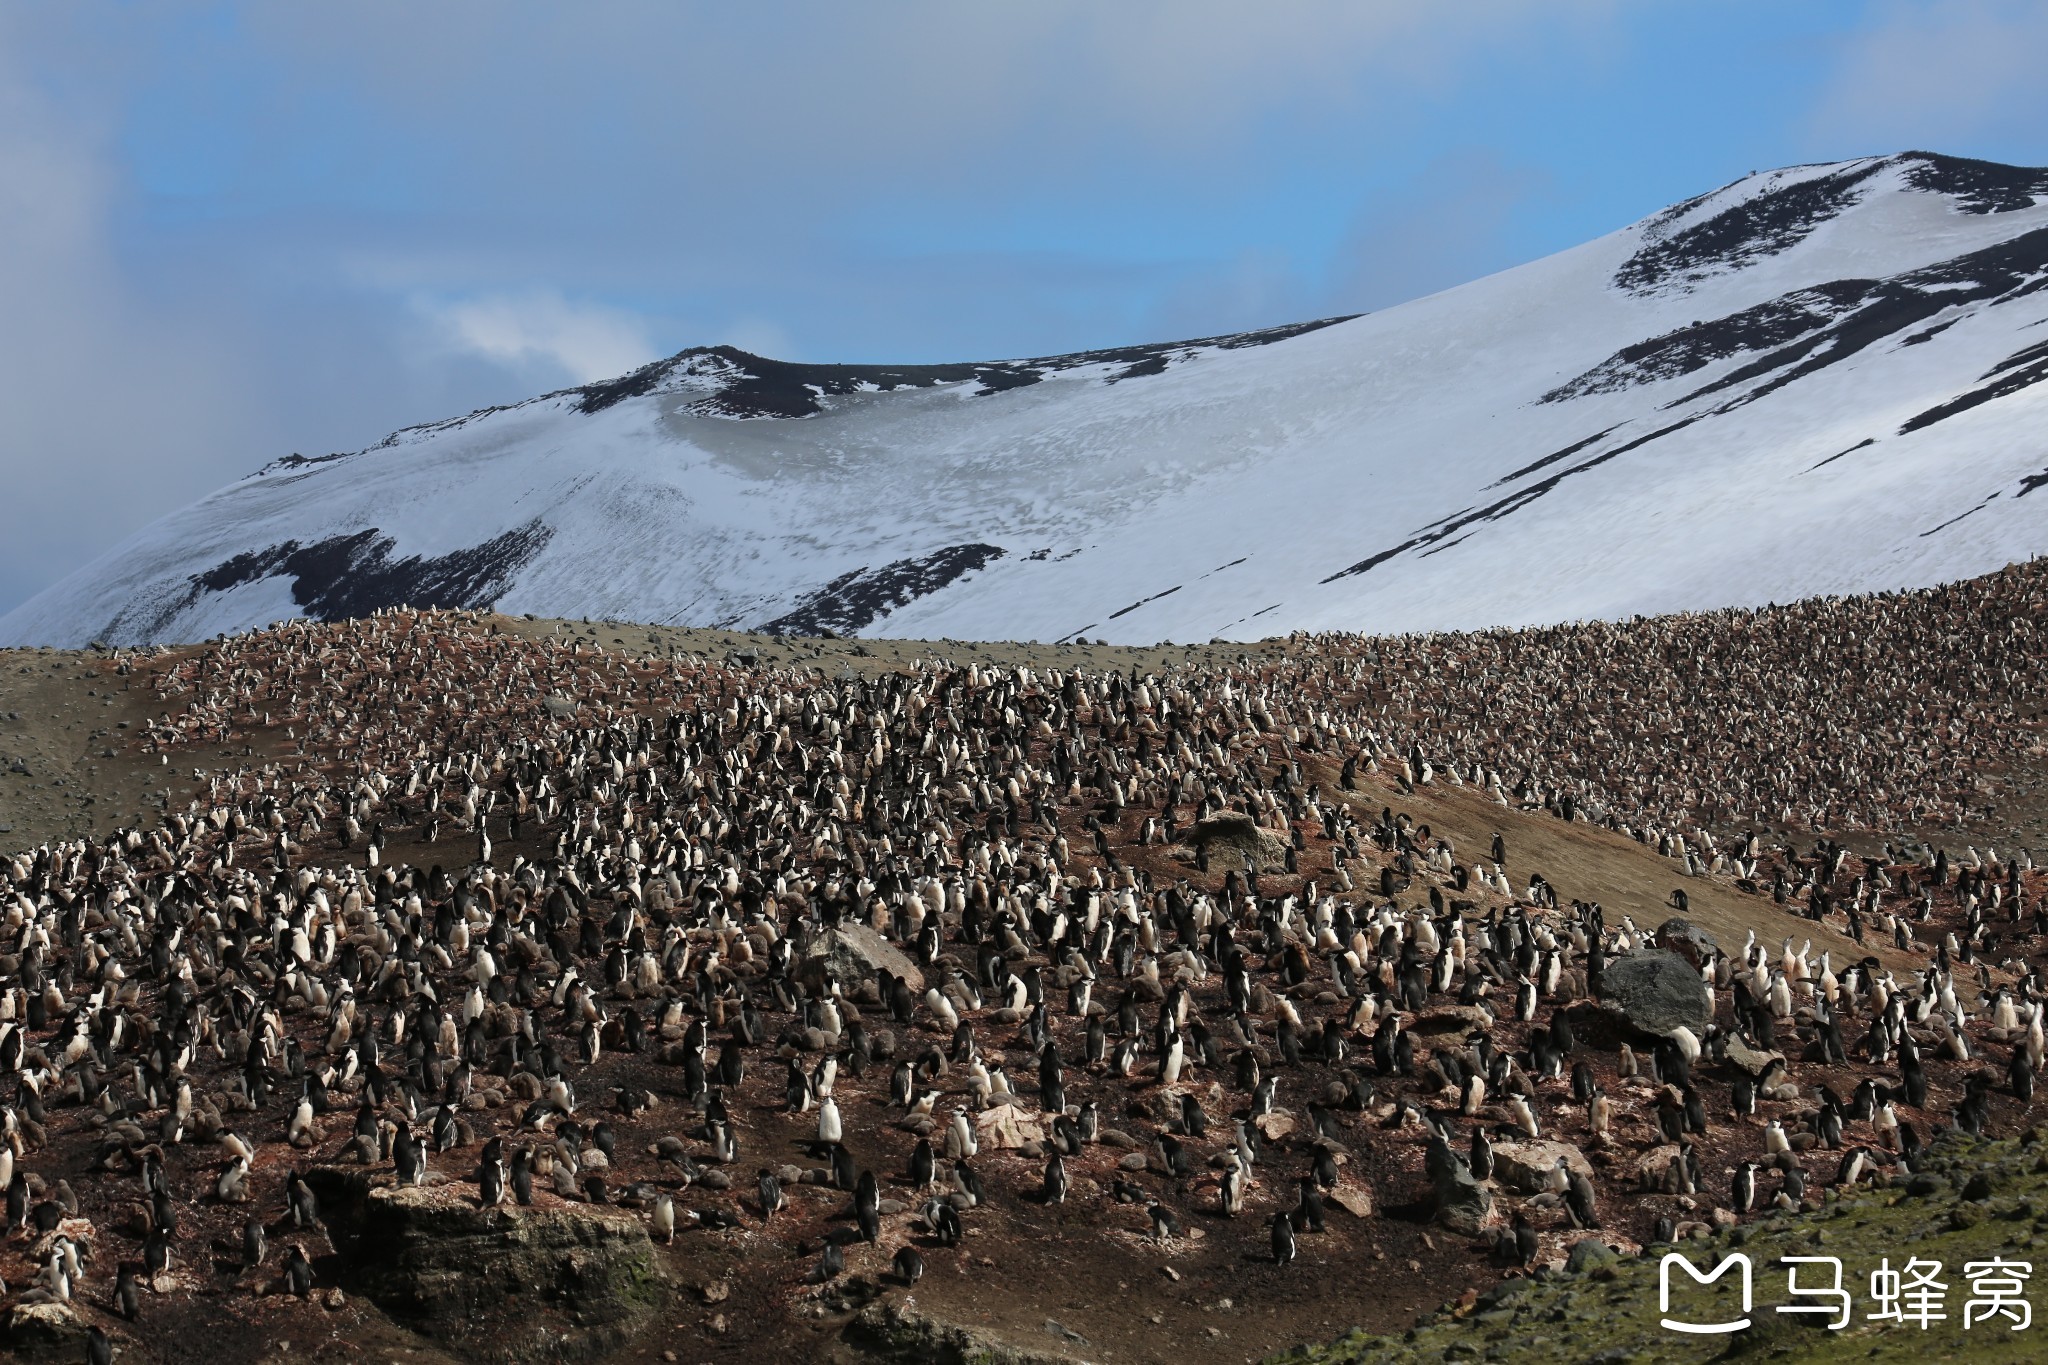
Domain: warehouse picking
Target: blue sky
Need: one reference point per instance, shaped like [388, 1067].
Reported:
[228, 232]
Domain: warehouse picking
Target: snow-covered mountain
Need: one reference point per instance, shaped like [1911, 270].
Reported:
[1820, 379]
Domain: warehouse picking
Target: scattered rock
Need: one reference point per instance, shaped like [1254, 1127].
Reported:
[1453, 1019]
[1007, 1126]
[1353, 1199]
[1588, 1252]
[1755, 1061]
[1526, 1166]
[1274, 1126]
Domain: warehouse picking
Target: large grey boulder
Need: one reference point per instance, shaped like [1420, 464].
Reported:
[1656, 992]
[849, 955]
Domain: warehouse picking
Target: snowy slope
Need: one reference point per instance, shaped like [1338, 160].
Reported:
[1819, 379]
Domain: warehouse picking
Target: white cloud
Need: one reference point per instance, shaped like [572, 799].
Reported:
[108, 406]
[1939, 75]
[583, 341]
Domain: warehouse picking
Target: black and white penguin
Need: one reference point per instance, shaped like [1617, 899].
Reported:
[1743, 1196]
[1581, 1202]
[924, 1165]
[1055, 1179]
[1308, 1213]
[665, 1218]
[1283, 1238]
[156, 1254]
[490, 1184]
[1482, 1155]
[909, 1266]
[298, 1272]
[408, 1157]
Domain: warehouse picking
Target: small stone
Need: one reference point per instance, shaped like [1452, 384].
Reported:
[718, 1291]
[1353, 1200]
[717, 1325]
[1170, 1273]
[334, 1300]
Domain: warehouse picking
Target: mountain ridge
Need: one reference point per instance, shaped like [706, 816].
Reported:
[1816, 379]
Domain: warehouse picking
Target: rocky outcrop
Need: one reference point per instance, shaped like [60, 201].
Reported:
[1233, 840]
[1460, 1201]
[554, 1281]
[1656, 992]
[43, 1331]
[898, 1332]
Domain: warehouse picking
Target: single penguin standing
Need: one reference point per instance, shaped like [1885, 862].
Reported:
[665, 1219]
[298, 1272]
[1743, 1196]
[1055, 1179]
[1283, 1239]
[772, 1197]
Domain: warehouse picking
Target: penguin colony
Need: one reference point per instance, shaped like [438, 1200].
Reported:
[1149, 943]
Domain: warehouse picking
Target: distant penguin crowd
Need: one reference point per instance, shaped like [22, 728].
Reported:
[987, 941]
